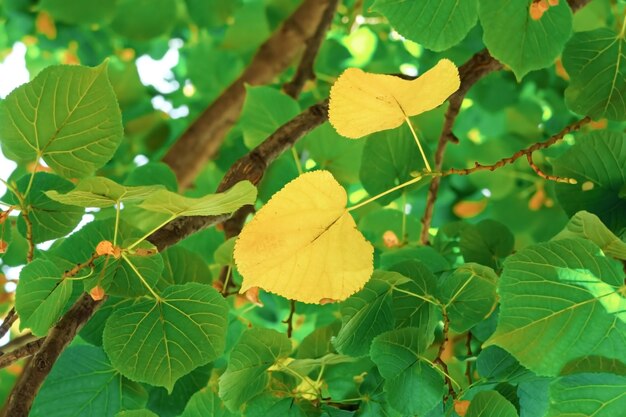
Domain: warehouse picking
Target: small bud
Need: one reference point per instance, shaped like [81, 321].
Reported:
[535, 11]
[390, 239]
[553, 2]
[543, 5]
[3, 246]
[97, 293]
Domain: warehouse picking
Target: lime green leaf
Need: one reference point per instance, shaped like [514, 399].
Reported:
[67, 115]
[83, 383]
[49, 219]
[366, 314]
[598, 163]
[136, 413]
[595, 364]
[517, 40]
[164, 201]
[102, 192]
[41, 295]
[589, 226]
[588, 395]
[435, 24]
[412, 384]
[559, 302]
[469, 295]
[497, 365]
[153, 173]
[596, 65]
[490, 404]
[79, 12]
[389, 158]
[158, 341]
[144, 19]
[205, 403]
[264, 111]
[246, 375]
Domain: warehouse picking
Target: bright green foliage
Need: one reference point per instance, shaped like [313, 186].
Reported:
[520, 290]
[412, 383]
[67, 115]
[588, 394]
[598, 163]
[83, 383]
[468, 295]
[42, 295]
[247, 373]
[490, 404]
[158, 341]
[517, 40]
[436, 24]
[595, 62]
[102, 192]
[565, 288]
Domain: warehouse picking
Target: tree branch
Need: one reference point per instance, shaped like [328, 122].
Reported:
[205, 135]
[8, 322]
[21, 352]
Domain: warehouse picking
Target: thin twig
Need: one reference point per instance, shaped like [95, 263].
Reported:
[29, 237]
[289, 320]
[305, 71]
[8, 322]
[523, 152]
[468, 363]
[439, 360]
[24, 351]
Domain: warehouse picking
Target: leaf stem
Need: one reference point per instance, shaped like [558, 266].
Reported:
[296, 160]
[141, 278]
[144, 237]
[419, 145]
[117, 223]
[421, 297]
[384, 193]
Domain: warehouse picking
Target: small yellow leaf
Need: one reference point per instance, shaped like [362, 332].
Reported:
[363, 103]
[304, 245]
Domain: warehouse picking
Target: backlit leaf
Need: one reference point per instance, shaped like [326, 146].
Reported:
[206, 403]
[560, 301]
[490, 404]
[304, 245]
[588, 395]
[158, 341]
[589, 226]
[596, 64]
[362, 103]
[67, 115]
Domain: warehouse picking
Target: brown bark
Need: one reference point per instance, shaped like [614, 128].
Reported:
[203, 137]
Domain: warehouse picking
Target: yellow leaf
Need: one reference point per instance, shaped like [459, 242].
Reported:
[363, 103]
[304, 245]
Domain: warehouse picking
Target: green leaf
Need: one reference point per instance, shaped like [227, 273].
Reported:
[83, 383]
[469, 295]
[176, 205]
[435, 24]
[389, 158]
[172, 404]
[598, 163]
[497, 365]
[264, 111]
[490, 404]
[102, 192]
[67, 115]
[246, 375]
[182, 266]
[486, 242]
[366, 314]
[206, 403]
[589, 226]
[79, 12]
[410, 311]
[158, 341]
[596, 64]
[412, 384]
[49, 219]
[41, 295]
[335, 153]
[560, 301]
[588, 395]
[136, 413]
[595, 364]
[517, 40]
[144, 19]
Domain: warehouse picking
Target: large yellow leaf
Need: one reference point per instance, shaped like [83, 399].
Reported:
[304, 245]
[363, 103]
